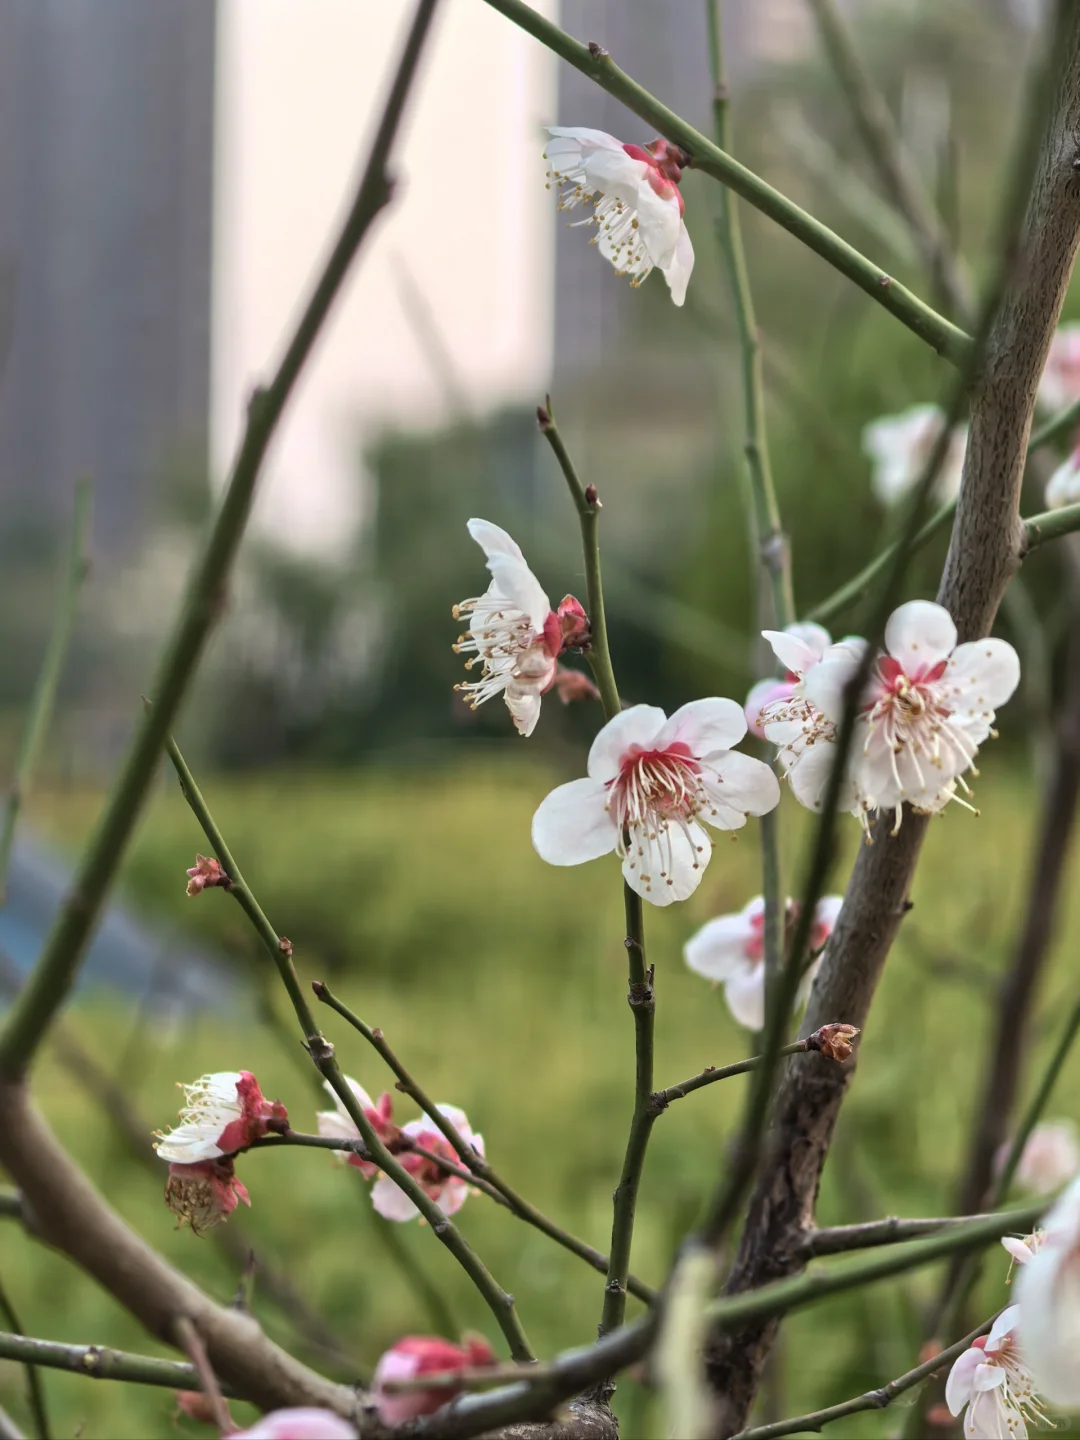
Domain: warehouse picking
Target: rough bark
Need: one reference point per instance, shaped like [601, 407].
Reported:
[984, 552]
[69, 1214]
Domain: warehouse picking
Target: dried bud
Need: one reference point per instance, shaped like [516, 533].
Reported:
[573, 623]
[592, 497]
[543, 417]
[833, 1041]
[205, 874]
[574, 685]
[285, 946]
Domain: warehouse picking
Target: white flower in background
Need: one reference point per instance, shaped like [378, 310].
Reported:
[900, 446]
[927, 708]
[992, 1382]
[448, 1191]
[652, 783]
[1060, 382]
[638, 207]
[1050, 1158]
[802, 733]
[805, 644]
[731, 950]
[222, 1113]
[1048, 1297]
[514, 632]
[302, 1423]
[1023, 1248]
[1063, 487]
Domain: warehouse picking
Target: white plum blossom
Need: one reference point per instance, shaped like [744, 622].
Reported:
[731, 949]
[513, 631]
[652, 784]
[1023, 1248]
[992, 1383]
[448, 1191]
[638, 207]
[1050, 1158]
[222, 1113]
[1048, 1297]
[1063, 487]
[900, 447]
[1060, 382]
[804, 643]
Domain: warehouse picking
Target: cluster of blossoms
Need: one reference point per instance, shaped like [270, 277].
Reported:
[927, 706]
[449, 1191]
[730, 950]
[222, 1114]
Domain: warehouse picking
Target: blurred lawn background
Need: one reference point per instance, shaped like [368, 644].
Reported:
[501, 983]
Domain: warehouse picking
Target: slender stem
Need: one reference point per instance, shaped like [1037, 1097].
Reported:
[597, 64]
[587, 504]
[322, 1053]
[889, 157]
[478, 1170]
[1037, 530]
[661, 1099]
[99, 1363]
[767, 532]
[871, 1400]
[54, 973]
[35, 1391]
[839, 1239]
[643, 1004]
[43, 700]
[191, 1343]
[280, 951]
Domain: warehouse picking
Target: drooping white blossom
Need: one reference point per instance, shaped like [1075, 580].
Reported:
[1063, 487]
[900, 447]
[730, 949]
[513, 633]
[637, 204]
[1048, 1299]
[992, 1386]
[448, 1191]
[652, 785]
[1060, 382]
[222, 1113]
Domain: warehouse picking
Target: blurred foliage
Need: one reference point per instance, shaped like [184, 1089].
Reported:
[501, 982]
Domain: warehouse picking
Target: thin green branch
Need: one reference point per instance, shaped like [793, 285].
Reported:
[587, 503]
[1058, 424]
[883, 144]
[643, 1005]
[477, 1169]
[1050, 525]
[8, 1429]
[99, 1363]
[840, 1239]
[322, 1053]
[43, 701]
[661, 1099]
[871, 1400]
[939, 333]
[55, 971]
[1038, 1104]
[35, 1392]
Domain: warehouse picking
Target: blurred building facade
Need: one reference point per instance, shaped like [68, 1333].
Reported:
[106, 188]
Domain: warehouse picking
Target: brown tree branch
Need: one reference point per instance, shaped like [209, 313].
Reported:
[985, 550]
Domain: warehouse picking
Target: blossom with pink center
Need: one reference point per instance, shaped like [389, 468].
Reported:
[1063, 487]
[1048, 1297]
[448, 1191]
[204, 1194]
[1050, 1158]
[652, 784]
[731, 950]
[637, 204]
[804, 644]
[303, 1423]
[416, 1355]
[338, 1123]
[1060, 382]
[900, 447]
[513, 631]
[992, 1382]
[802, 733]
[928, 706]
[222, 1113]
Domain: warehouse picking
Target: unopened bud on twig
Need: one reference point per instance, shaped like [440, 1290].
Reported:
[592, 497]
[205, 874]
[833, 1041]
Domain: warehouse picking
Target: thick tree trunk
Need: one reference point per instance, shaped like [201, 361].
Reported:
[984, 553]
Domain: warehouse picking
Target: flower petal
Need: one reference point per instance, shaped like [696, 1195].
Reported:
[799, 647]
[492, 539]
[639, 725]
[680, 267]
[524, 707]
[515, 580]
[704, 726]
[983, 674]
[826, 684]
[738, 786]
[958, 1387]
[667, 865]
[583, 138]
[572, 825]
[919, 634]
[390, 1202]
[718, 949]
[745, 996]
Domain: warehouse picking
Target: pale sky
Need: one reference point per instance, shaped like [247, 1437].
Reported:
[300, 88]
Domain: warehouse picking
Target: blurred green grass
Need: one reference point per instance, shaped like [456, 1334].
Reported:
[501, 982]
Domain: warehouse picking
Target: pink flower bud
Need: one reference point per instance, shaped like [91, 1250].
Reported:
[417, 1355]
[833, 1041]
[205, 874]
[573, 623]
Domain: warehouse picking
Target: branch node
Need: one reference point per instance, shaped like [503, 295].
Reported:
[319, 1048]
